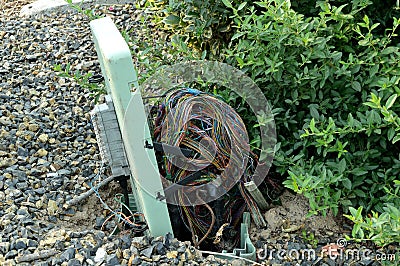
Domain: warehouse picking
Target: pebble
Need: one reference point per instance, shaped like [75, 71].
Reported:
[100, 255]
[43, 138]
[112, 260]
[68, 255]
[74, 262]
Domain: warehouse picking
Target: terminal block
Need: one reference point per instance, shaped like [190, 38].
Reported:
[109, 137]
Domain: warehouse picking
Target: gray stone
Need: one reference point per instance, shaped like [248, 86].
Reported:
[21, 243]
[147, 252]
[74, 262]
[136, 261]
[21, 175]
[32, 243]
[160, 248]
[181, 249]
[126, 241]
[69, 254]
[112, 260]
[11, 254]
[99, 222]
[4, 247]
[40, 191]
[22, 212]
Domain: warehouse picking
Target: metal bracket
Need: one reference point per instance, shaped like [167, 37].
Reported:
[247, 250]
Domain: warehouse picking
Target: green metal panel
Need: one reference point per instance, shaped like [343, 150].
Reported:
[121, 81]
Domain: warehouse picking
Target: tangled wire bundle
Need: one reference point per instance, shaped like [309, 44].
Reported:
[217, 137]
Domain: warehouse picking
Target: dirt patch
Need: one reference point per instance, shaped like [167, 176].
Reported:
[291, 217]
[87, 212]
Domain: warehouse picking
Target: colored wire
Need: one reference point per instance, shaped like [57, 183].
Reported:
[118, 214]
[191, 119]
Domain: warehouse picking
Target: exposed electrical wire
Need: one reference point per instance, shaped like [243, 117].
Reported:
[190, 119]
[121, 217]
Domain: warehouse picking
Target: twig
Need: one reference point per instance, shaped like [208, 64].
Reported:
[85, 195]
[37, 256]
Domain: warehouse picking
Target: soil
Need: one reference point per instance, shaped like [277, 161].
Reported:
[291, 217]
[90, 209]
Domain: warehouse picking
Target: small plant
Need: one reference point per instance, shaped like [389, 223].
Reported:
[382, 229]
[310, 238]
[84, 80]
[78, 7]
[203, 25]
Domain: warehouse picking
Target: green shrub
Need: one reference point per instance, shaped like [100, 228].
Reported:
[381, 228]
[380, 10]
[332, 78]
[203, 25]
[325, 76]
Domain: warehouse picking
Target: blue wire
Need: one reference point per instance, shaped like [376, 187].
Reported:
[101, 200]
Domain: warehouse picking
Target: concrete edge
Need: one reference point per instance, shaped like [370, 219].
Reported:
[47, 5]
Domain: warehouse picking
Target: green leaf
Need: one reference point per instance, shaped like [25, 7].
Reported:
[342, 166]
[366, 20]
[360, 193]
[389, 50]
[370, 104]
[396, 139]
[240, 61]
[347, 183]
[390, 101]
[373, 70]
[374, 26]
[241, 6]
[390, 134]
[339, 9]
[356, 229]
[238, 35]
[359, 171]
[312, 125]
[172, 20]
[356, 86]
[359, 211]
[314, 112]
[227, 3]
[353, 211]
[364, 42]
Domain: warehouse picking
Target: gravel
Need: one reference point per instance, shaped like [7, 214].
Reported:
[48, 150]
[48, 153]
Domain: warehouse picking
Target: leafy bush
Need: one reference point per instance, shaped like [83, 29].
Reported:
[203, 25]
[333, 83]
[380, 10]
[381, 228]
[332, 77]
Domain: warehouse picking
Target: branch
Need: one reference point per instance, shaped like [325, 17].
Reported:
[44, 254]
[85, 195]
